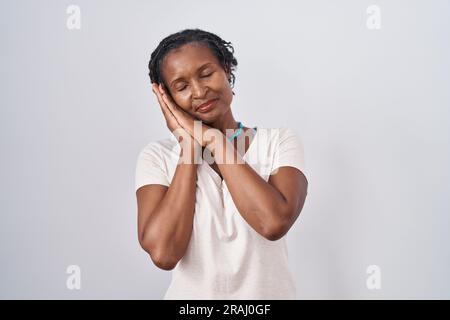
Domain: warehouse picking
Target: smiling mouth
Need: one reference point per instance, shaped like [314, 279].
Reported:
[205, 107]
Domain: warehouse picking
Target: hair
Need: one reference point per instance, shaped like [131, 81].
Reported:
[223, 51]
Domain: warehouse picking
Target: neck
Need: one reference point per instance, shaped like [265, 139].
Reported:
[226, 121]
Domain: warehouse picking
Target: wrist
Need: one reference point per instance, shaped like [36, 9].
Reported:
[210, 137]
[190, 152]
[219, 147]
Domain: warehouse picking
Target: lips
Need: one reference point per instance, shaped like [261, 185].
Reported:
[203, 105]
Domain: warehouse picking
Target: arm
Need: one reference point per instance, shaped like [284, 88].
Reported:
[270, 208]
[165, 215]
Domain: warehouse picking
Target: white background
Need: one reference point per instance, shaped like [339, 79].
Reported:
[371, 106]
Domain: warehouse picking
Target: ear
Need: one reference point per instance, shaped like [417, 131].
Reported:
[229, 81]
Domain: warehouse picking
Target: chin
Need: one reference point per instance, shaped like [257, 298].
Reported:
[208, 116]
[206, 120]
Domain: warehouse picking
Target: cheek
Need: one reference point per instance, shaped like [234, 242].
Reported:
[182, 99]
[220, 81]
[219, 84]
[226, 91]
[228, 97]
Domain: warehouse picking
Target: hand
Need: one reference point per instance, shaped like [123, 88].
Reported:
[171, 121]
[205, 134]
[190, 148]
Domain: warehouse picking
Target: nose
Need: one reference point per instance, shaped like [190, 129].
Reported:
[198, 90]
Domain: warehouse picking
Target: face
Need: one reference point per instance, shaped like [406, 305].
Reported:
[193, 75]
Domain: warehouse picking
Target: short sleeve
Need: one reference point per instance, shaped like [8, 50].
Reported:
[288, 151]
[150, 168]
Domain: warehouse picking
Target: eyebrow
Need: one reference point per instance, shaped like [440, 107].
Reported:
[199, 68]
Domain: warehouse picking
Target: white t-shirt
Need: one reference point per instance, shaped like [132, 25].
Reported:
[226, 258]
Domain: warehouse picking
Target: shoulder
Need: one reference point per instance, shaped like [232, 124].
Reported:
[154, 161]
[160, 148]
[287, 149]
[277, 136]
[286, 132]
[288, 136]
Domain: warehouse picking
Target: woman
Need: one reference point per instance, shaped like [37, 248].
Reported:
[219, 224]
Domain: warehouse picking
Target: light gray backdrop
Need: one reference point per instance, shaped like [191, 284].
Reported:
[371, 106]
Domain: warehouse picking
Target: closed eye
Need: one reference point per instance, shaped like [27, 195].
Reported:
[204, 76]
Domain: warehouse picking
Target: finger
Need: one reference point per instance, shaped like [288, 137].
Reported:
[169, 103]
[183, 118]
[160, 88]
[165, 107]
[168, 99]
[166, 111]
[173, 107]
[160, 100]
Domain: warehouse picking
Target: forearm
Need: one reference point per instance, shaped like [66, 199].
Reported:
[168, 229]
[259, 203]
